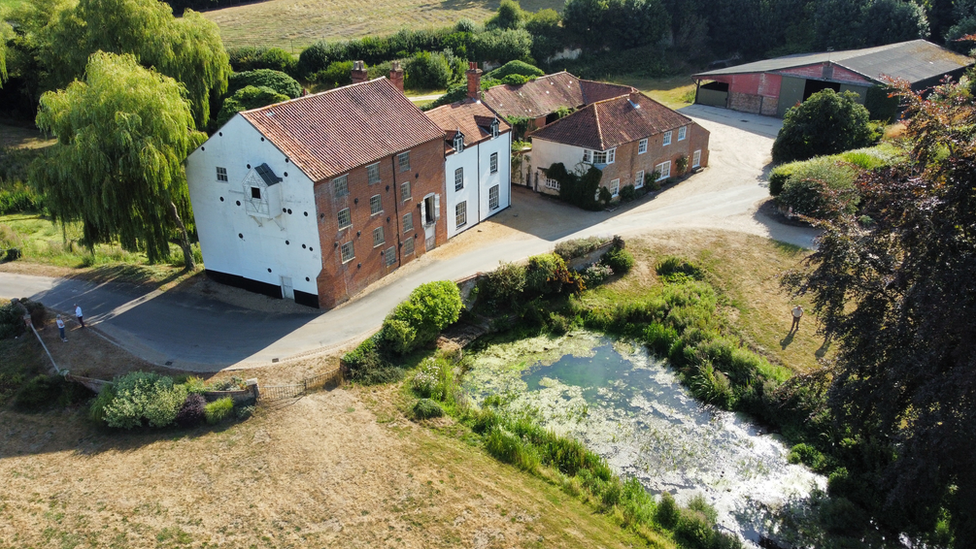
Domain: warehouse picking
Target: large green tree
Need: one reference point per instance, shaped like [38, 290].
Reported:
[118, 164]
[187, 48]
[826, 123]
[899, 300]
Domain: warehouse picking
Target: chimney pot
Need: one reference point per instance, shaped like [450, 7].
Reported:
[359, 74]
[396, 75]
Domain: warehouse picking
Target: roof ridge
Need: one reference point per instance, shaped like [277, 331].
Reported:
[317, 94]
[599, 127]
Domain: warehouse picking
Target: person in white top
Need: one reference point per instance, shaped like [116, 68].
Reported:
[797, 314]
[81, 317]
[61, 328]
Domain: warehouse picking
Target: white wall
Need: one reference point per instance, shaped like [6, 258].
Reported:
[503, 177]
[263, 246]
[546, 153]
[478, 179]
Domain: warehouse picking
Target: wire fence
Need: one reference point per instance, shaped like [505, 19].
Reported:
[271, 393]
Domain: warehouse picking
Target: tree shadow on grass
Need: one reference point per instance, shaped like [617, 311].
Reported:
[130, 274]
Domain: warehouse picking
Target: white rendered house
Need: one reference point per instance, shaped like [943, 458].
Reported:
[477, 165]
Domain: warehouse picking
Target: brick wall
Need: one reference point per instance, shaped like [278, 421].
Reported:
[628, 162]
[339, 281]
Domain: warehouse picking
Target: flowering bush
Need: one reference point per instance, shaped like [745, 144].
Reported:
[144, 396]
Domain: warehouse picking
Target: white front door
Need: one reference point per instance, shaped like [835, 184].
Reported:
[696, 159]
[287, 290]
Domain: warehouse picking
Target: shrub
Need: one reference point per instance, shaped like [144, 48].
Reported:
[97, 410]
[675, 269]
[826, 123]
[693, 529]
[249, 58]
[245, 412]
[596, 274]
[276, 80]
[667, 512]
[144, 397]
[546, 274]
[578, 247]
[807, 455]
[628, 193]
[39, 393]
[431, 71]
[660, 338]
[246, 98]
[681, 164]
[508, 448]
[218, 410]
[426, 379]
[366, 364]
[430, 308]
[517, 67]
[504, 284]
[398, 336]
[192, 411]
[618, 259]
[335, 75]
[426, 408]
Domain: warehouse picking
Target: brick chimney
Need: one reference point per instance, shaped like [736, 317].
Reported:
[396, 75]
[474, 80]
[358, 72]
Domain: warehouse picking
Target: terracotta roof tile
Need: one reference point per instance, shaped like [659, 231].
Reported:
[329, 133]
[471, 117]
[548, 93]
[613, 122]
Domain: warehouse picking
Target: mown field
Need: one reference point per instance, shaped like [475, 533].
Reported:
[294, 24]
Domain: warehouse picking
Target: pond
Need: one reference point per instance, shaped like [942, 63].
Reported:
[630, 408]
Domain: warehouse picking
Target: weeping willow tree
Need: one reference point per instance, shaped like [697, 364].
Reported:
[117, 166]
[187, 48]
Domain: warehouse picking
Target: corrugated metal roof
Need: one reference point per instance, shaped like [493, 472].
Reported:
[914, 61]
[472, 118]
[329, 133]
[613, 122]
[548, 93]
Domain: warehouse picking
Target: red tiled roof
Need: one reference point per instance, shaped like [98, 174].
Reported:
[548, 93]
[471, 117]
[329, 133]
[613, 122]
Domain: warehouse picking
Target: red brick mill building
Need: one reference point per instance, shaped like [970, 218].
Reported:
[315, 198]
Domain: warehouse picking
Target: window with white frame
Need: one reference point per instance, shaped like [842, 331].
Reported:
[552, 184]
[345, 219]
[459, 142]
[378, 238]
[663, 169]
[615, 188]
[587, 156]
[407, 222]
[667, 139]
[403, 161]
[682, 132]
[375, 204]
[461, 214]
[221, 174]
[458, 179]
[340, 186]
[696, 159]
[347, 251]
[604, 157]
[404, 191]
[373, 173]
[493, 162]
[408, 246]
[493, 198]
[639, 179]
[642, 146]
[389, 256]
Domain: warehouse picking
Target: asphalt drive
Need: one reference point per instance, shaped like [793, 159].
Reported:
[195, 333]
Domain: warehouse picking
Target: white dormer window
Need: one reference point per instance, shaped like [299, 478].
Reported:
[494, 128]
[682, 132]
[458, 142]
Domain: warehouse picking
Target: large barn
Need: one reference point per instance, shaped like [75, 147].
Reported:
[772, 86]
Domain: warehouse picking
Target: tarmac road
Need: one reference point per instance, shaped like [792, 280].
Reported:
[195, 333]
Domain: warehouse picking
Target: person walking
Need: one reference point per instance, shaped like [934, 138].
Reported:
[81, 317]
[797, 314]
[61, 329]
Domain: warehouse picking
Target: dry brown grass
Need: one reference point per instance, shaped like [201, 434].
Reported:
[294, 24]
[19, 135]
[672, 91]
